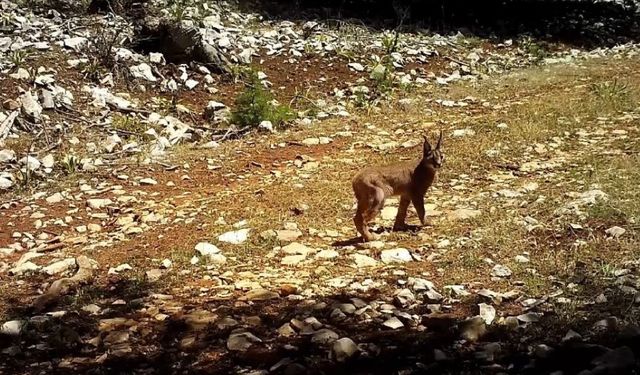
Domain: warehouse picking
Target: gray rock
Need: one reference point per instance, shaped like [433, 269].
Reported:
[344, 349]
[364, 261]
[30, 162]
[615, 232]
[393, 323]
[235, 237]
[12, 327]
[98, 203]
[30, 106]
[241, 341]
[487, 312]
[398, 255]
[327, 254]
[60, 266]
[324, 336]
[292, 260]
[143, 71]
[7, 155]
[287, 235]
[154, 275]
[404, 298]
[500, 271]
[259, 295]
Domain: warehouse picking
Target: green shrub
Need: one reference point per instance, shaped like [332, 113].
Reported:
[255, 104]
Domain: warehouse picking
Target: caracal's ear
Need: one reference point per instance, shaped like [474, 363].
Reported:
[427, 146]
[439, 141]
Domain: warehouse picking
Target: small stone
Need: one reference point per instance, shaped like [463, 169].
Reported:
[241, 341]
[92, 309]
[259, 295]
[288, 235]
[292, 260]
[501, 271]
[153, 275]
[343, 349]
[142, 71]
[530, 317]
[615, 232]
[30, 162]
[59, 267]
[267, 125]
[148, 181]
[324, 337]
[327, 254]
[356, 66]
[94, 228]
[234, 237]
[296, 248]
[601, 298]
[404, 298]
[12, 327]
[286, 330]
[393, 323]
[55, 198]
[487, 312]
[398, 255]
[364, 261]
[7, 155]
[98, 203]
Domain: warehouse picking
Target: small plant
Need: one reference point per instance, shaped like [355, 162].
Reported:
[91, 70]
[390, 43]
[534, 49]
[613, 93]
[239, 73]
[70, 164]
[102, 47]
[18, 58]
[309, 50]
[256, 104]
[178, 10]
[128, 125]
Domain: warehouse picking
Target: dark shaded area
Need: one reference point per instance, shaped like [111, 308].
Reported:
[582, 22]
[182, 344]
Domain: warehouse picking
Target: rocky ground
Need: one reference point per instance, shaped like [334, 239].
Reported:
[144, 231]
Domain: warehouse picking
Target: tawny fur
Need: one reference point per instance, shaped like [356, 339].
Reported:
[409, 180]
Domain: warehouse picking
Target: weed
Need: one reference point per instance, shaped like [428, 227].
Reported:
[128, 125]
[309, 50]
[255, 104]
[91, 70]
[18, 58]
[536, 50]
[102, 48]
[613, 94]
[70, 163]
[178, 9]
[390, 43]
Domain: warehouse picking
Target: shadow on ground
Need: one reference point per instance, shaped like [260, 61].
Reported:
[581, 23]
[129, 337]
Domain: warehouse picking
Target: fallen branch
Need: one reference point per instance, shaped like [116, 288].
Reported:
[66, 285]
